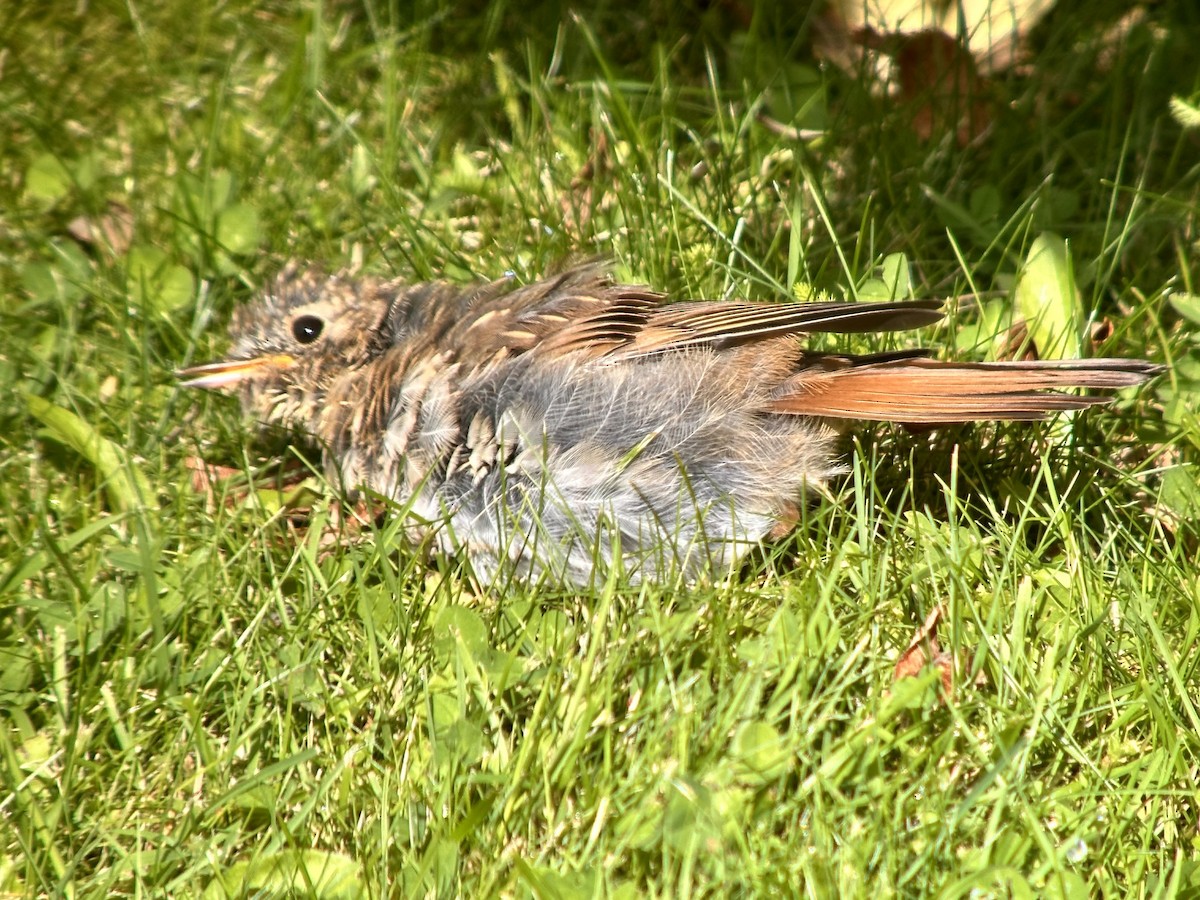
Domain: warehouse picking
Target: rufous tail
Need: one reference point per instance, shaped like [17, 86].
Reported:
[926, 391]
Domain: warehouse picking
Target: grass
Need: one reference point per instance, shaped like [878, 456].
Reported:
[227, 690]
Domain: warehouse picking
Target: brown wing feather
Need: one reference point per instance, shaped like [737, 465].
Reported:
[931, 391]
[582, 310]
[579, 309]
[726, 324]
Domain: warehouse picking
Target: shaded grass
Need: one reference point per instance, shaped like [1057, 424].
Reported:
[203, 692]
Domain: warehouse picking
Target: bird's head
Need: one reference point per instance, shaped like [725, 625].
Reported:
[302, 333]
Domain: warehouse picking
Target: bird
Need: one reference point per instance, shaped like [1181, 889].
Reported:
[576, 426]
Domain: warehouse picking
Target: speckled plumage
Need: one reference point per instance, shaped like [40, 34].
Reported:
[573, 420]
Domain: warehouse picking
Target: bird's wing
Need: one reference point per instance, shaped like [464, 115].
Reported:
[581, 311]
[729, 323]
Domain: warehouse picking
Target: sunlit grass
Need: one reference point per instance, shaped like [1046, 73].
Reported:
[212, 686]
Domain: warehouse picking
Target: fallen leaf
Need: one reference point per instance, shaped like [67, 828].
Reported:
[935, 57]
[111, 232]
[206, 477]
[1014, 343]
[924, 650]
[937, 75]
[293, 497]
[994, 33]
[1101, 331]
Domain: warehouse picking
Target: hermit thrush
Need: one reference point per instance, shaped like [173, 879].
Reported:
[575, 424]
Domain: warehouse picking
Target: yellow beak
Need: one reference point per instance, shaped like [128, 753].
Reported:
[215, 376]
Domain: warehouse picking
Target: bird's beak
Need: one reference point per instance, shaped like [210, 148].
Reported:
[215, 376]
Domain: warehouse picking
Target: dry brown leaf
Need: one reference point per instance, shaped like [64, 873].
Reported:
[1101, 331]
[206, 477]
[934, 56]
[992, 32]
[344, 520]
[111, 232]
[938, 77]
[924, 650]
[1015, 344]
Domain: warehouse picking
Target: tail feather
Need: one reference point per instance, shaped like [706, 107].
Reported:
[926, 391]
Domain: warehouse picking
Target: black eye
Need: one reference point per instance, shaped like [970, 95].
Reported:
[307, 329]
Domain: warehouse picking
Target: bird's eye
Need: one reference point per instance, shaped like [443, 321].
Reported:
[307, 329]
